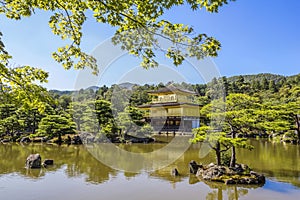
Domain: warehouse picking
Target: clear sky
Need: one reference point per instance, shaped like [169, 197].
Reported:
[257, 36]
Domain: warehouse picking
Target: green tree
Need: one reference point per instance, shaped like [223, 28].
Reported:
[10, 124]
[216, 89]
[22, 81]
[101, 92]
[227, 119]
[20, 113]
[56, 126]
[225, 85]
[140, 95]
[94, 117]
[131, 120]
[214, 139]
[64, 101]
[90, 123]
[255, 86]
[240, 118]
[265, 83]
[201, 89]
[233, 88]
[281, 118]
[76, 110]
[272, 86]
[120, 98]
[104, 112]
[30, 118]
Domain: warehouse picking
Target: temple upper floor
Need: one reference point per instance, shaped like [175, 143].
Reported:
[172, 94]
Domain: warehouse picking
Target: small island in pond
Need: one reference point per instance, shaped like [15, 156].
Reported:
[240, 174]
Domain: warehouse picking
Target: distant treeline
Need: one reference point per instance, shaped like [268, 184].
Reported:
[113, 110]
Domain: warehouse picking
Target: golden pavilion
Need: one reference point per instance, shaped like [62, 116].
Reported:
[172, 110]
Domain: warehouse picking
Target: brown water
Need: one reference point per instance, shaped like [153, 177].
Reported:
[78, 175]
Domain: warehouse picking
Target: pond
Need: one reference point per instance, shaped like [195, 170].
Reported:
[77, 174]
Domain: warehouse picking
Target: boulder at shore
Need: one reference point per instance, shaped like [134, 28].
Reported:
[174, 172]
[194, 167]
[240, 174]
[48, 162]
[33, 161]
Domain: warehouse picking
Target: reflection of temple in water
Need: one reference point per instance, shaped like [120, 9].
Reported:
[75, 164]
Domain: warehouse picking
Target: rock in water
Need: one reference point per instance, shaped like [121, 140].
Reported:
[194, 167]
[175, 172]
[33, 161]
[212, 173]
[25, 139]
[47, 162]
[260, 177]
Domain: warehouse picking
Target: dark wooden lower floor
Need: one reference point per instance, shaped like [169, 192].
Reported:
[174, 124]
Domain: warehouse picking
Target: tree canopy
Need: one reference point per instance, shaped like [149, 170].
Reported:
[258, 105]
[139, 25]
[234, 116]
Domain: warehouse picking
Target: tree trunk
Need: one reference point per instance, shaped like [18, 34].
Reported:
[233, 154]
[218, 153]
[236, 193]
[78, 125]
[297, 118]
[233, 157]
[59, 139]
[220, 193]
[34, 122]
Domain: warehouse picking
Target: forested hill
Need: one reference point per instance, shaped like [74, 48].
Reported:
[258, 77]
[264, 77]
[259, 81]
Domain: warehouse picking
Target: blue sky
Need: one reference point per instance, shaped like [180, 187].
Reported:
[257, 37]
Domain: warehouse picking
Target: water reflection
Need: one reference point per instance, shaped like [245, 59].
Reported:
[76, 159]
[140, 157]
[279, 162]
[276, 161]
[220, 192]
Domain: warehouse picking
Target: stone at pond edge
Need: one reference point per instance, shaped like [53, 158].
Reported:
[5, 140]
[230, 181]
[76, 140]
[33, 161]
[174, 172]
[39, 139]
[134, 139]
[211, 172]
[261, 178]
[47, 162]
[194, 167]
[25, 139]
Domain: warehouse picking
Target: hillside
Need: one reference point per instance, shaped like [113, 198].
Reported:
[267, 77]
[258, 77]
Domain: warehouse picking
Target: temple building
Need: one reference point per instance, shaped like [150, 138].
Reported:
[172, 110]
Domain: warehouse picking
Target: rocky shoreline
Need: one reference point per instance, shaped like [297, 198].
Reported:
[80, 139]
